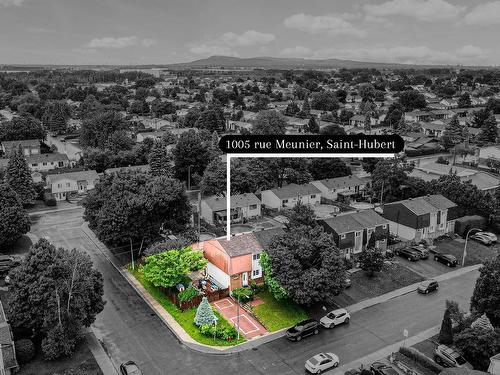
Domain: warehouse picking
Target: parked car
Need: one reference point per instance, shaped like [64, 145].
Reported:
[380, 368]
[427, 286]
[347, 283]
[447, 259]
[408, 253]
[448, 357]
[490, 235]
[422, 251]
[130, 368]
[321, 362]
[7, 262]
[481, 238]
[303, 329]
[335, 317]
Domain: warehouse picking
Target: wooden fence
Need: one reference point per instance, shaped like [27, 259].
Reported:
[212, 296]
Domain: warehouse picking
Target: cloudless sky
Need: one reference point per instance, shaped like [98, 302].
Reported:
[168, 31]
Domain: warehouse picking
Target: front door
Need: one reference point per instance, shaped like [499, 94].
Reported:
[244, 279]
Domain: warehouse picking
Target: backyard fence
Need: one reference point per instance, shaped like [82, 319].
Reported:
[212, 296]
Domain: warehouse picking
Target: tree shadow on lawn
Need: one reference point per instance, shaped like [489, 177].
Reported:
[21, 246]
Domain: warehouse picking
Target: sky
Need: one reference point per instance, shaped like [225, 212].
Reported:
[170, 31]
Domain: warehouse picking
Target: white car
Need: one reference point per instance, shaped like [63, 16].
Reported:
[335, 318]
[321, 362]
[490, 235]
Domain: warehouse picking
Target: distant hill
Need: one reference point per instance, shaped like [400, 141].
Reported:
[287, 63]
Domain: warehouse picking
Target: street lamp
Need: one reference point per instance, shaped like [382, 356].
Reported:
[465, 246]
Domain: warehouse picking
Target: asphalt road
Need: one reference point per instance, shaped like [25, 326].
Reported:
[131, 331]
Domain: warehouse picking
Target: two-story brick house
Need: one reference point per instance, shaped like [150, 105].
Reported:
[421, 218]
[352, 231]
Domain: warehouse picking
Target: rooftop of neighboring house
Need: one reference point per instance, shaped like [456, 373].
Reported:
[432, 171]
[78, 176]
[426, 204]
[8, 355]
[47, 158]
[33, 143]
[357, 118]
[240, 244]
[265, 237]
[355, 221]
[217, 203]
[294, 190]
[134, 168]
[342, 182]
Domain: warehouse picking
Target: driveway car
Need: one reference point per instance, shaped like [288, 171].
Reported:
[408, 253]
[481, 238]
[448, 357]
[422, 251]
[427, 286]
[130, 368]
[321, 362]
[334, 318]
[7, 262]
[446, 259]
[303, 329]
[490, 235]
[380, 368]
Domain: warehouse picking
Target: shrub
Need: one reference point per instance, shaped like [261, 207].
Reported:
[421, 359]
[25, 350]
[49, 199]
[187, 294]
[257, 288]
[242, 294]
[224, 333]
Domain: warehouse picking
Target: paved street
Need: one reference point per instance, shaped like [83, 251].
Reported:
[130, 330]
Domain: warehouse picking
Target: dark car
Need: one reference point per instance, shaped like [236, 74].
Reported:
[408, 253]
[446, 259]
[7, 262]
[428, 286]
[303, 329]
[422, 251]
[130, 368]
[379, 368]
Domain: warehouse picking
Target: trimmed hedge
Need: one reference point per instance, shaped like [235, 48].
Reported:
[25, 350]
[421, 359]
[49, 199]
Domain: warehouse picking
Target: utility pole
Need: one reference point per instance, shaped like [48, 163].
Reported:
[199, 216]
[238, 317]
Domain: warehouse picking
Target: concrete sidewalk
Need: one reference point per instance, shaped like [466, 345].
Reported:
[367, 360]
[44, 212]
[100, 355]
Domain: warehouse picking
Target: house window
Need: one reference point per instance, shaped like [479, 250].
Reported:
[34, 165]
[438, 217]
[313, 196]
[44, 163]
[255, 273]
[68, 184]
[383, 226]
[342, 237]
[253, 207]
[256, 256]
[358, 234]
[59, 186]
[285, 201]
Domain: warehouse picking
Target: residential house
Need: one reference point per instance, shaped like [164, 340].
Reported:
[47, 162]
[66, 145]
[489, 152]
[358, 121]
[64, 184]
[8, 362]
[243, 207]
[449, 103]
[232, 264]
[352, 231]
[28, 146]
[417, 116]
[238, 126]
[482, 180]
[421, 218]
[288, 196]
[155, 136]
[134, 168]
[343, 187]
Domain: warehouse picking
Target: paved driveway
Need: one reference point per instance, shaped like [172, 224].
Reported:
[248, 326]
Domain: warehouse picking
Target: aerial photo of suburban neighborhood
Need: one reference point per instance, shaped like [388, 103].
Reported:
[133, 243]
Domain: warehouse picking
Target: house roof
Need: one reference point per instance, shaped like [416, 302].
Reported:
[265, 237]
[294, 190]
[79, 176]
[8, 145]
[46, 158]
[140, 168]
[342, 182]
[241, 244]
[427, 204]
[217, 203]
[355, 221]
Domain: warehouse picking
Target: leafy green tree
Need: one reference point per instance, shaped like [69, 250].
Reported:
[18, 177]
[369, 164]
[323, 168]
[119, 141]
[446, 332]
[389, 177]
[306, 106]
[171, 267]
[98, 127]
[159, 108]
[204, 314]
[325, 101]
[478, 345]
[67, 296]
[307, 264]
[160, 159]
[454, 133]
[333, 130]
[272, 284]
[269, 122]
[464, 101]
[214, 179]
[21, 127]
[133, 207]
[190, 155]
[486, 296]
[300, 215]
[489, 131]
[371, 258]
[312, 125]
[56, 115]
[393, 115]
[211, 119]
[15, 221]
[411, 100]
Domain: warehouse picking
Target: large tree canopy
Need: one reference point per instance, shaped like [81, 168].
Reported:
[135, 206]
[97, 128]
[323, 168]
[18, 177]
[269, 122]
[14, 219]
[486, 296]
[22, 127]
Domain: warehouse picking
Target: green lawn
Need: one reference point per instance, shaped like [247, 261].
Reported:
[186, 318]
[275, 315]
